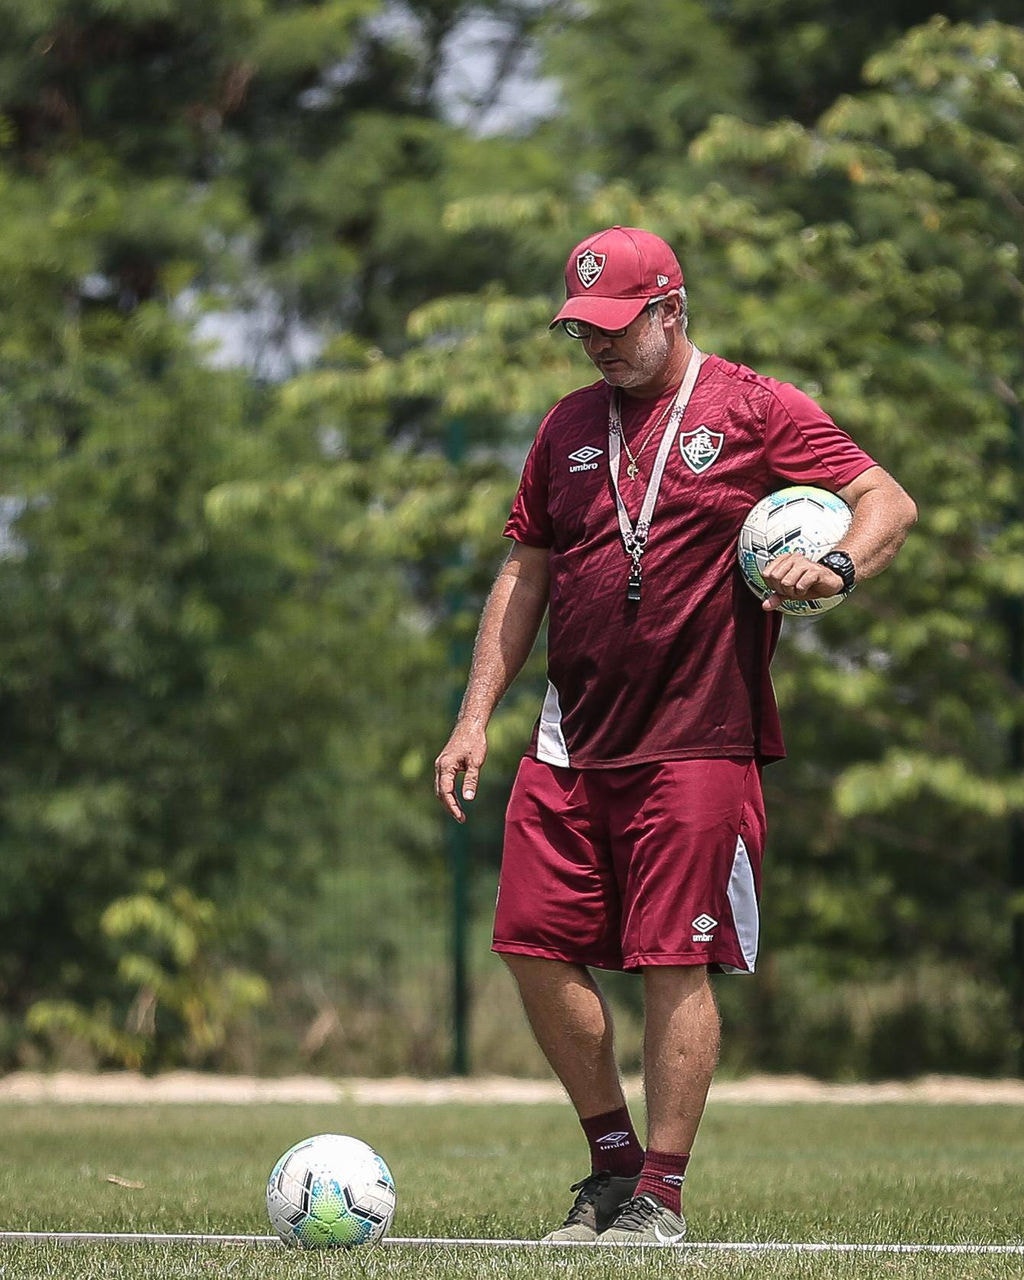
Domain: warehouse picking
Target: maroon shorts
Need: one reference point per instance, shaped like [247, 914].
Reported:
[654, 864]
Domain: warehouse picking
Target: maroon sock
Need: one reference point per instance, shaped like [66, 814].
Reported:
[613, 1143]
[662, 1177]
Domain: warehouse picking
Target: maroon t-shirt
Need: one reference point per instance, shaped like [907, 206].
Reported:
[684, 673]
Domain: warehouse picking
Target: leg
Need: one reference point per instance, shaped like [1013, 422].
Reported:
[680, 1054]
[572, 1025]
[681, 1041]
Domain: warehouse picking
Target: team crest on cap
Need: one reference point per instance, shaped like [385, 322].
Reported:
[589, 266]
[700, 447]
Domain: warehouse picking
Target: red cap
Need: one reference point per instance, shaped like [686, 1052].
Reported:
[611, 276]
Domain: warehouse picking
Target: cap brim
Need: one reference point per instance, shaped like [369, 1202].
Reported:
[605, 313]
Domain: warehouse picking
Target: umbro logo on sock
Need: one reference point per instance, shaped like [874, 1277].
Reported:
[612, 1141]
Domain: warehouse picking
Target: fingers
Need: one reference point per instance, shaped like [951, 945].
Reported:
[444, 788]
[469, 782]
[447, 768]
[794, 577]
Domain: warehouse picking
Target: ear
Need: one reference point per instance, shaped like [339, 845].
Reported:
[671, 311]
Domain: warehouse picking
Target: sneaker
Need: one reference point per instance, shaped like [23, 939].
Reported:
[645, 1220]
[599, 1198]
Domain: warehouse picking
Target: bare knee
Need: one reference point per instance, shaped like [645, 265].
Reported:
[671, 991]
[540, 972]
[678, 981]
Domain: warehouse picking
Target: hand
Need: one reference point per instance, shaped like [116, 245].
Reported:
[464, 752]
[794, 577]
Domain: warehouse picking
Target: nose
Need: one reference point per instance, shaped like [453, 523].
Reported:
[597, 341]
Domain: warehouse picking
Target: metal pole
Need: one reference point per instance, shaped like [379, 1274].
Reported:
[1015, 870]
[1016, 851]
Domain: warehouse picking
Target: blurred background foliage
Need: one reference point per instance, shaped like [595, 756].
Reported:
[274, 284]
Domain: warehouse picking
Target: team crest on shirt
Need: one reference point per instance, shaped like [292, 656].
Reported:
[589, 266]
[700, 447]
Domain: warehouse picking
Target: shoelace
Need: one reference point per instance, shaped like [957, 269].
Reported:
[637, 1214]
[589, 1189]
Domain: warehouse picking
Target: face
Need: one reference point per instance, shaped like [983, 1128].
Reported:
[637, 360]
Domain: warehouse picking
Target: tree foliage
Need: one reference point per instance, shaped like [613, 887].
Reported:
[875, 260]
[927, 173]
[272, 344]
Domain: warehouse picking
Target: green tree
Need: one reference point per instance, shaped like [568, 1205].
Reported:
[920, 695]
[168, 941]
[235, 594]
[901, 312]
[804, 54]
[639, 82]
[231, 689]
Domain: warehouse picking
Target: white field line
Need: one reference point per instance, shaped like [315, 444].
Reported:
[693, 1246]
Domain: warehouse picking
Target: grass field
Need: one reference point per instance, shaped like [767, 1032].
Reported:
[881, 1174]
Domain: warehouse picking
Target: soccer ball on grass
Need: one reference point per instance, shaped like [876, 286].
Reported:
[330, 1191]
[800, 518]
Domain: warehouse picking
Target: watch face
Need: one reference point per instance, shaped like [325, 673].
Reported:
[839, 562]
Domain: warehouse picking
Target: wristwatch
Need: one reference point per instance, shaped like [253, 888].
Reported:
[840, 563]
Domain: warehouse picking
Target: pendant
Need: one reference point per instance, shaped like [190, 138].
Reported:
[632, 470]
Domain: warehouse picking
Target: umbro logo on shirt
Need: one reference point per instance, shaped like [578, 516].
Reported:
[584, 459]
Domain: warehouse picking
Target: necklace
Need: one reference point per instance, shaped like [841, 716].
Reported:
[634, 536]
[633, 470]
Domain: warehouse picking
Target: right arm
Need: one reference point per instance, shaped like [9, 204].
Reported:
[508, 629]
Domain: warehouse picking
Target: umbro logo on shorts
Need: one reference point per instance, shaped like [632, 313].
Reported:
[585, 459]
[704, 924]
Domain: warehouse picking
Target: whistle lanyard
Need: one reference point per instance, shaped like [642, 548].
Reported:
[634, 537]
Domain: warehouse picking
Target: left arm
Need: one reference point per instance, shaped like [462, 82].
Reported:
[883, 514]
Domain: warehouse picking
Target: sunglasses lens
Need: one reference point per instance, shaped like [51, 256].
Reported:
[576, 328]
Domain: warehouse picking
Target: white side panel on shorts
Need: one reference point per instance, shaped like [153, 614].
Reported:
[743, 901]
[551, 746]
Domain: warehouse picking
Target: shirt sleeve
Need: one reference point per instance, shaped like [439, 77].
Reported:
[803, 444]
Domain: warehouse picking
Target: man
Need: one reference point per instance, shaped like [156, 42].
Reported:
[635, 829]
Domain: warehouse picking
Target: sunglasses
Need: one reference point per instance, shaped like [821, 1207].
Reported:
[582, 329]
